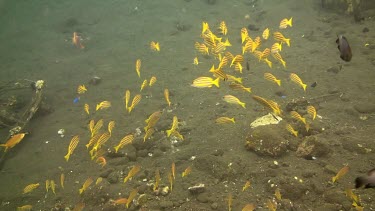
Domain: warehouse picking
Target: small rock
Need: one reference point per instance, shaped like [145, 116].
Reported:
[335, 69]
[365, 108]
[197, 189]
[253, 27]
[365, 30]
[113, 177]
[203, 197]
[166, 204]
[214, 206]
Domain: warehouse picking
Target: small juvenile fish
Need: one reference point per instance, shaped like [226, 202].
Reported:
[173, 170]
[344, 48]
[240, 87]
[53, 186]
[249, 207]
[48, 184]
[233, 100]
[154, 46]
[296, 79]
[278, 194]
[157, 180]
[195, 61]
[81, 89]
[148, 134]
[170, 179]
[284, 23]
[120, 201]
[367, 181]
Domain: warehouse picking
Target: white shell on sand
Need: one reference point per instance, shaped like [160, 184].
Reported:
[268, 119]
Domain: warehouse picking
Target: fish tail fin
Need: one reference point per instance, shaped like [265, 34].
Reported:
[116, 148]
[216, 82]
[304, 87]
[67, 157]
[290, 21]
[278, 82]
[169, 132]
[287, 42]
[243, 105]
[360, 182]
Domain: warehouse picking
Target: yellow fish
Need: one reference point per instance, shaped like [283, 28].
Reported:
[103, 105]
[223, 28]
[233, 100]
[273, 106]
[13, 141]
[157, 180]
[148, 134]
[276, 47]
[246, 186]
[173, 170]
[244, 34]
[297, 116]
[62, 180]
[81, 89]
[138, 67]
[296, 79]
[341, 173]
[144, 84]
[111, 125]
[291, 130]
[127, 98]
[154, 46]
[173, 127]
[236, 86]
[280, 37]
[48, 184]
[266, 33]
[312, 111]
[53, 186]
[186, 172]
[73, 144]
[87, 108]
[195, 61]
[128, 139]
[272, 78]
[86, 185]
[278, 57]
[132, 173]
[132, 195]
[205, 27]
[205, 82]
[135, 101]
[152, 120]
[284, 23]
[30, 188]
[166, 96]
[223, 120]
[170, 179]
[25, 208]
[152, 81]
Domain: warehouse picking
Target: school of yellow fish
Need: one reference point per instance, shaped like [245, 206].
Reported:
[227, 71]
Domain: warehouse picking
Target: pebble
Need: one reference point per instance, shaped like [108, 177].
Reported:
[365, 108]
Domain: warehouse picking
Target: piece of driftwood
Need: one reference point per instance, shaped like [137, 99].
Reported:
[26, 116]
